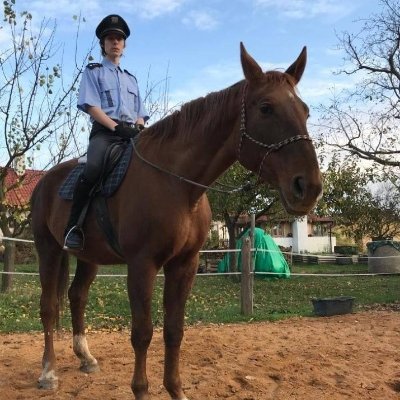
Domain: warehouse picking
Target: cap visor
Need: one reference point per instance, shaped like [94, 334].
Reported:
[113, 30]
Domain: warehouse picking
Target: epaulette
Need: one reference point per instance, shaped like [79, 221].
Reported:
[94, 65]
[130, 74]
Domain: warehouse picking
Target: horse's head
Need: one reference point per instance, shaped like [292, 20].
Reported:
[274, 140]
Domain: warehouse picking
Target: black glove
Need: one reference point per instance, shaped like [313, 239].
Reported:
[127, 132]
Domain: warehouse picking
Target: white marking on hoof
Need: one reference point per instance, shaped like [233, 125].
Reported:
[88, 363]
[48, 380]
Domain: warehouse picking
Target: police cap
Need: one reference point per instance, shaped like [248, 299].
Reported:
[112, 23]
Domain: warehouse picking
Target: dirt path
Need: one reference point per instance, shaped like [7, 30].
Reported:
[344, 357]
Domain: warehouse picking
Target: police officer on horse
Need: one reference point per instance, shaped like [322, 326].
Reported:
[110, 95]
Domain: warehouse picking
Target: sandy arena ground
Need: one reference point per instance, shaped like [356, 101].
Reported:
[354, 356]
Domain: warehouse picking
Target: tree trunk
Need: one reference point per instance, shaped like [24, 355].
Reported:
[233, 256]
[9, 266]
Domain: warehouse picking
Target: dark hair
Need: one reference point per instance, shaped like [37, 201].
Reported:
[101, 42]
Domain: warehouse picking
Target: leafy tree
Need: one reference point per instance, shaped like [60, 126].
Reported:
[363, 121]
[383, 216]
[360, 206]
[346, 197]
[250, 199]
[37, 108]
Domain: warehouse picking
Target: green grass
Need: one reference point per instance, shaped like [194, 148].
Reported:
[214, 299]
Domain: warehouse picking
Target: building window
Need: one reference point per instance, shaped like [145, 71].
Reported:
[278, 230]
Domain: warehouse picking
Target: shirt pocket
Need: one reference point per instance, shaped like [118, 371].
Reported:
[108, 94]
[133, 97]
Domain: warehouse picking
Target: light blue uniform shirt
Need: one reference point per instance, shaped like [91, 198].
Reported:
[112, 89]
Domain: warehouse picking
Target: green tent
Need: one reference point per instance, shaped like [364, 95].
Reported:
[268, 256]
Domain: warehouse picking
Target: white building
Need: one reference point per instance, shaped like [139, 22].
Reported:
[309, 234]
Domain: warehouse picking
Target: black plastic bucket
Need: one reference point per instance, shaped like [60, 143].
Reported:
[333, 306]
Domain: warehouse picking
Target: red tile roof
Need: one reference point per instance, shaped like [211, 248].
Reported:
[19, 194]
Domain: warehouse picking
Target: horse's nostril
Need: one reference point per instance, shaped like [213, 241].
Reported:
[299, 187]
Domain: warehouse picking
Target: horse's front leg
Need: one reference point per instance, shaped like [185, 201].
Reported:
[141, 276]
[78, 296]
[179, 278]
[53, 276]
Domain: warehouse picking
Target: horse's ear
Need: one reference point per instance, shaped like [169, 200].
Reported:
[297, 68]
[252, 71]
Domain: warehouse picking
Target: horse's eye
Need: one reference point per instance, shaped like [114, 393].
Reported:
[266, 108]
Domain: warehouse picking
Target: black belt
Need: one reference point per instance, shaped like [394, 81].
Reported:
[96, 127]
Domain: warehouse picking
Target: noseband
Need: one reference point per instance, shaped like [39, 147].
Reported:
[269, 148]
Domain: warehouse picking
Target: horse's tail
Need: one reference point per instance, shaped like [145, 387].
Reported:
[62, 286]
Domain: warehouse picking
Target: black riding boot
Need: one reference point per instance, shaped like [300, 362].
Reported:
[74, 237]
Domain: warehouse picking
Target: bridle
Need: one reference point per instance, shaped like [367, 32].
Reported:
[269, 148]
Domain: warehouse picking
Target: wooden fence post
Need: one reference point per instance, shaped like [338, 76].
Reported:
[246, 279]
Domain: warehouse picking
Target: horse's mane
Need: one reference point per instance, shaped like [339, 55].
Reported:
[203, 110]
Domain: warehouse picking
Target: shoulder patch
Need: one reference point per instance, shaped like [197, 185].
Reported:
[125, 70]
[94, 65]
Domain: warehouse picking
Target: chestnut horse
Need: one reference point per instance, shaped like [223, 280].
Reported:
[161, 214]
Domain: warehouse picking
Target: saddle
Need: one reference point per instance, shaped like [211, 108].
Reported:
[116, 162]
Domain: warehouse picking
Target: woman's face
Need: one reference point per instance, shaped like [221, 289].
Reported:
[114, 45]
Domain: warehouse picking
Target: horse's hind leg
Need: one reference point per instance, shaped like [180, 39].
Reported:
[53, 279]
[179, 277]
[78, 295]
[141, 276]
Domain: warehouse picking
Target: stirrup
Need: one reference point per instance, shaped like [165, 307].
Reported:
[75, 230]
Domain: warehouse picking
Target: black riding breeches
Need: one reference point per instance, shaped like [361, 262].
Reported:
[99, 141]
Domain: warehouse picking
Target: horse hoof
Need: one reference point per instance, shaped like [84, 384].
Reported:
[89, 368]
[48, 384]
[141, 394]
[142, 397]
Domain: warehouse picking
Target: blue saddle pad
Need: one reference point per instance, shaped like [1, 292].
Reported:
[110, 183]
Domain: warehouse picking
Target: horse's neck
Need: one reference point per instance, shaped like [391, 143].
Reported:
[210, 143]
[203, 140]
[208, 154]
